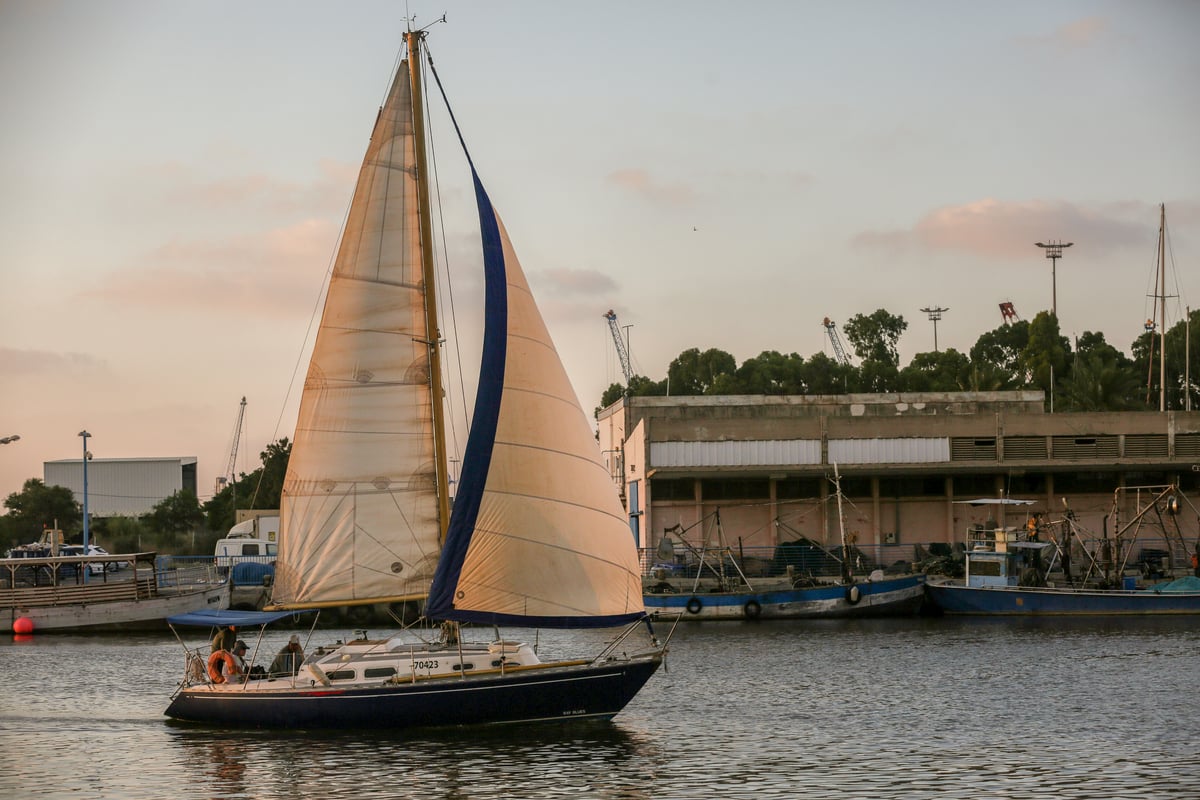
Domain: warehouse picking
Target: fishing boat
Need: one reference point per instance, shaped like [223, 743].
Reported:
[719, 589]
[537, 537]
[1034, 570]
[50, 587]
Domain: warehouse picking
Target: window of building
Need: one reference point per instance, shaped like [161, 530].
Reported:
[1029, 483]
[856, 487]
[970, 486]
[1084, 482]
[797, 488]
[744, 489]
[928, 486]
[672, 489]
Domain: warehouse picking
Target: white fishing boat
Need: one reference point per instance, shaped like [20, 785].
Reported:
[537, 536]
[44, 591]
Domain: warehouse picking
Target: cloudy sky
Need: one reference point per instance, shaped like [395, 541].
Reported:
[173, 176]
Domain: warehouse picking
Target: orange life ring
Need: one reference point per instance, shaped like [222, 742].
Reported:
[214, 672]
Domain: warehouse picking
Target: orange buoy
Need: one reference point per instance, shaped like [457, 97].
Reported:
[23, 625]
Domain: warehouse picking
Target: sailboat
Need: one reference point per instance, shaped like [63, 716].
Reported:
[537, 537]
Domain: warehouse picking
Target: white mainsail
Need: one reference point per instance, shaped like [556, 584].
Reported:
[359, 506]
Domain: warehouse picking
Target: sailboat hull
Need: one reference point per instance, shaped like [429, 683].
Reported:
[543, 694]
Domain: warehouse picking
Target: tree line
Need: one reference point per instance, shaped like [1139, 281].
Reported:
[179, 524]
[1086, 375]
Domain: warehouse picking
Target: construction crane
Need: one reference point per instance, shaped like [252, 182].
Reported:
[835, 339]
[1008, 312]
[622, 351]
[230, 475]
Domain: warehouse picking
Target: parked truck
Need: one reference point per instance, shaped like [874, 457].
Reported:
[252, 540]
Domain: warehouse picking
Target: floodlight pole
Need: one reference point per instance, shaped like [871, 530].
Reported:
[935, 313]
[1054, 253]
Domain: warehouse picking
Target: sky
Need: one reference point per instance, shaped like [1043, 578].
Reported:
[173, 177]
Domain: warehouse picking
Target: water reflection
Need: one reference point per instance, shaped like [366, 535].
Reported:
[572, 760]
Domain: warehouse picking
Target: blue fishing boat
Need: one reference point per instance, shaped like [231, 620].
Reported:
[720, 589]
[537, 537]
[1012, 571]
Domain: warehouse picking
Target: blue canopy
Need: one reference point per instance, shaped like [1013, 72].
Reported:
[213, 616]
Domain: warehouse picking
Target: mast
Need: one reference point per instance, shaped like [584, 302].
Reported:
[1162, 307]
[413, 39]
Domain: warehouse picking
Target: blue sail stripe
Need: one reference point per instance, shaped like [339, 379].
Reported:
[477, 457]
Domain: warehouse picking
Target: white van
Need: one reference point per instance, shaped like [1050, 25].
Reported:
[255, 539]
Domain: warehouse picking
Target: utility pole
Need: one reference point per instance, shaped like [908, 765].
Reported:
[1054, 253]
[935, 313]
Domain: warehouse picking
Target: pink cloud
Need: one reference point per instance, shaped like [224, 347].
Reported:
[994, 228]
[328, 192]
[22, 364]
[588, 282]
[275, 272]
[639, 182]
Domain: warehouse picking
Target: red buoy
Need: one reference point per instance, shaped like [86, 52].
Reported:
[23, 625]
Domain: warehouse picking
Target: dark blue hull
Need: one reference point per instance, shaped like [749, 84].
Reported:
[890, 597]
[1015, 601]
[526, 695]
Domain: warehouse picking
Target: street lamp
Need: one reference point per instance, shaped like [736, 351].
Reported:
[935, 313]
[1054, 253]
[86, 457]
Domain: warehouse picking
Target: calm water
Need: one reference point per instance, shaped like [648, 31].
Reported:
[846, 709]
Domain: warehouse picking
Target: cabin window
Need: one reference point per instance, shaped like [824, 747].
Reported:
[379, 672]
[249, 549]
[342, 675]
[463, 666]
[500, 663]
[989, 568]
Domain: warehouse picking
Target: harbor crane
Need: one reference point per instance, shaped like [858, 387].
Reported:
[230, 474]
[835, 339]
[1008, 312]
[622, 350]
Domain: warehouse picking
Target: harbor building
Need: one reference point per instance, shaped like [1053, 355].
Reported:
[123, 487]
[763, 465]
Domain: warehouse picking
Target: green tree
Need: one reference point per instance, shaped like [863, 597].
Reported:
[771, 372]
[179, 513]
[38, 506]
[1001, 349]
[1045, 355]
[824, 375]
[945, 371]
[1097, 383]
[875, 337]
[694, 373]
[262, 488]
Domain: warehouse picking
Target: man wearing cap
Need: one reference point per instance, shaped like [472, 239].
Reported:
[239, 657]
[287, 663]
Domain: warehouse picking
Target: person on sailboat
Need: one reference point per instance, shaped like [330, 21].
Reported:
[287, 662]
[224, 638]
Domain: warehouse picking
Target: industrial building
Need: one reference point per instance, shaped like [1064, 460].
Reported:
[765, 463]
[123, 487]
